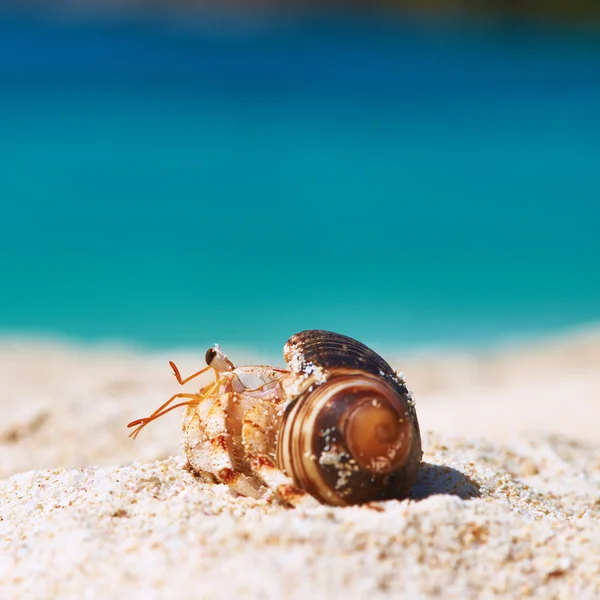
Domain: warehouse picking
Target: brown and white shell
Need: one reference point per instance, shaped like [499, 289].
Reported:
[349, 433]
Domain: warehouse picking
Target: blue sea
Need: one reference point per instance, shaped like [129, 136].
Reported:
[187, 181]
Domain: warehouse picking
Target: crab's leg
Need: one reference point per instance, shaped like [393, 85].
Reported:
[258, 438]
[221, 449]
[192, 376]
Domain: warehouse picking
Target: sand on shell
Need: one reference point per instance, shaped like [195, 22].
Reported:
[507, 503]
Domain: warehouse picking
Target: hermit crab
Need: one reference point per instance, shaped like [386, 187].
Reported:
[339, 424]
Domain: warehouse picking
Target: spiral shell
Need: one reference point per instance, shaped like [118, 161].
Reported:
[350, 432]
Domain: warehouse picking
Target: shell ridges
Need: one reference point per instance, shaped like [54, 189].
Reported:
[331, 375]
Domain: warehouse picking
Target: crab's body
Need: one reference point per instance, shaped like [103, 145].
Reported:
[230, 435]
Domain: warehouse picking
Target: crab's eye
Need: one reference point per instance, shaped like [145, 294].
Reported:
[211, 353]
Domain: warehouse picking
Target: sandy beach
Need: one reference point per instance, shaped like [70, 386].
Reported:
[507, 503]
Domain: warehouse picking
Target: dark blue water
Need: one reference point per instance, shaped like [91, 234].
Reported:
[193, 182]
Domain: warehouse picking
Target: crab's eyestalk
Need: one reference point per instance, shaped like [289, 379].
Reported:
[217, 360]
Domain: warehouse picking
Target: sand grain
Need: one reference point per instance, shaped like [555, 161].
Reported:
[491, 515]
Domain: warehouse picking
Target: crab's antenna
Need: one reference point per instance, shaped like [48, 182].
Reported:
[193, 376]
[202, 394]
[160, 411]
[141, 423]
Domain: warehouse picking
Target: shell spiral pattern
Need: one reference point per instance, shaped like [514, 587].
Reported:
[350, 433]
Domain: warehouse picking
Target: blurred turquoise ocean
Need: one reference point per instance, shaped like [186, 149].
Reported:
[190, 181]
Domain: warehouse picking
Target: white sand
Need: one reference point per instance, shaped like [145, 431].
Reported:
[507, 503]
